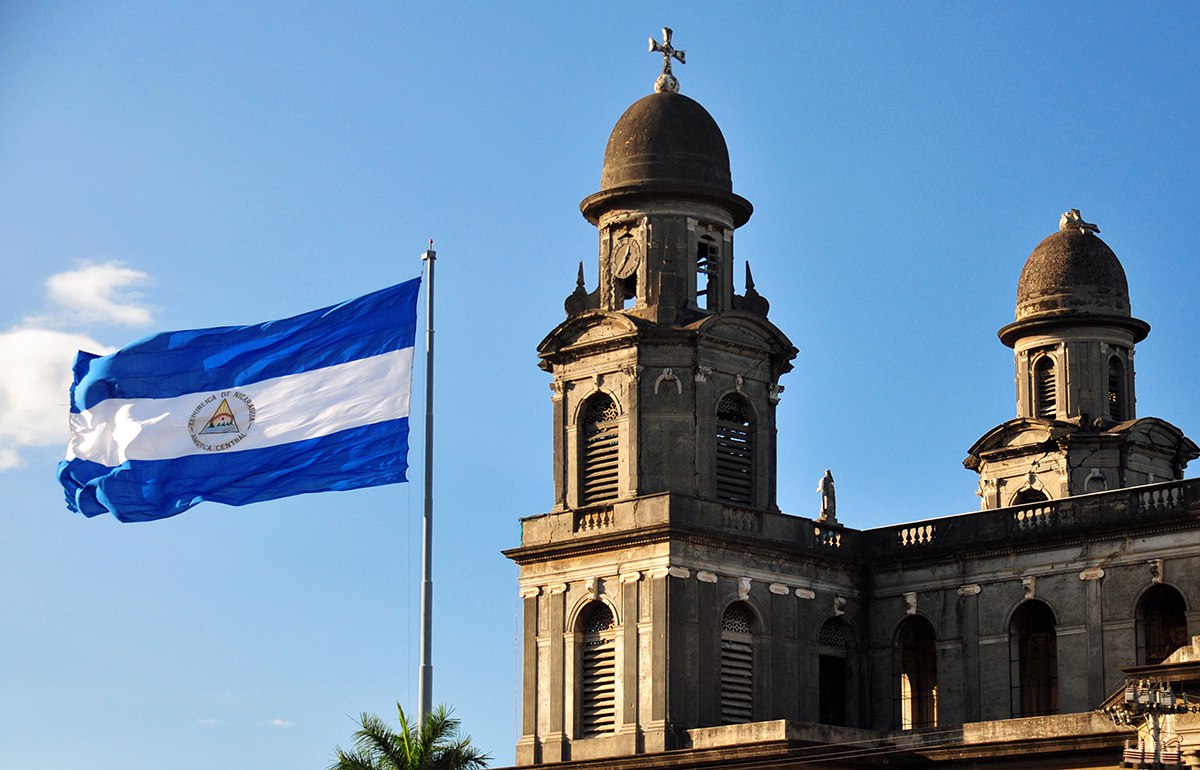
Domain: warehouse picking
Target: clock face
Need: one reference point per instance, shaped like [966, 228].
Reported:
[627, 255]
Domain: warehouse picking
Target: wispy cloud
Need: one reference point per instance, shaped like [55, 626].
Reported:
[38, 351]
[279, 723]
[208, 721]
[103, 293]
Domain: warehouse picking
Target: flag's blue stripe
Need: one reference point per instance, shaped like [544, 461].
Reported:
[143, 490]
[173, 363]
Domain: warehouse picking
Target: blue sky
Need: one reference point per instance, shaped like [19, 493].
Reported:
[174, 165]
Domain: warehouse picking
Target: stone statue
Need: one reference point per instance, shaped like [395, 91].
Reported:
[828, 498]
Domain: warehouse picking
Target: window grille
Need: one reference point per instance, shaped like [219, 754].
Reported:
[1033, 656]
[707, 256]
[915, 664]
[737, 666]
[1045, 388]
[1116, 394]
[600, 451]
[735, 451]
[598, 697]
[834, 633]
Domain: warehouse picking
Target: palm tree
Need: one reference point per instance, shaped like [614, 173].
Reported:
[435, 745]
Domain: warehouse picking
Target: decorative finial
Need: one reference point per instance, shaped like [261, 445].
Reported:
[579, 278]
[667, 82]
[1072, 221]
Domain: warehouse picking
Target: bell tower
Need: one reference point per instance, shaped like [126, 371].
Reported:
[1076, 429]
[665, 385]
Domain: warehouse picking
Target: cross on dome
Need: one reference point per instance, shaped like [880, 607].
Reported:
[667, 82]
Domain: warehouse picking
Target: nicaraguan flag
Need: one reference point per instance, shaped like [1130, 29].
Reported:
[240, 414]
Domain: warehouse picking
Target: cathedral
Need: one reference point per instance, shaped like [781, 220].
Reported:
[674, 616]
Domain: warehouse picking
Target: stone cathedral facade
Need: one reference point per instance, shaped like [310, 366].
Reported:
[673, 614]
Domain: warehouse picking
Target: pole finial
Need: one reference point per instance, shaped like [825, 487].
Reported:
[667, 82]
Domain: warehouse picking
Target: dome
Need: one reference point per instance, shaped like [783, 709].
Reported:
[1072, 276]
[666, 144]
[1072, 272]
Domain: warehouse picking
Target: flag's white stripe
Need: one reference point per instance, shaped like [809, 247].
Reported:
[290, 408]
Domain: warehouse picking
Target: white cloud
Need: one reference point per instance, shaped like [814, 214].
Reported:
[36, 356]
[208, 721]
[279, 723]
[100, 294]
[34, 382]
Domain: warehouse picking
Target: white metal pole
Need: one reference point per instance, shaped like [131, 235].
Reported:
[425, 675]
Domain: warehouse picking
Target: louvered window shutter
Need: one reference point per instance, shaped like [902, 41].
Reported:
[737, 666]
[600, 451]
[598, 697]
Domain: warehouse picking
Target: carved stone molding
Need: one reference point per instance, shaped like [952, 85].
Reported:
[971, 589]
[1091, 573]
[779, 589]
[743, 588]
[1029, 586]
[706, 577]
[839, 605]
[1156, 571]
[910, 603]
[679, 572]
[556, 588]
[774, 390]
[530, 592]
[702, 373]
[806, 593]
[557, 389]
[668, 376]
[629, 577]
[591, 587]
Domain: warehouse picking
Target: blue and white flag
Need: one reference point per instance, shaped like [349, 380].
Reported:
[240, 414]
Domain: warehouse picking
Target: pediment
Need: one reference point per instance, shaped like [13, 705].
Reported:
[591, 327]
[1015, 434]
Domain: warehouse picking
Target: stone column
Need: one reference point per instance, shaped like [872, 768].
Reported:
[554, 743]
[1092, 577]
[654, 729]
[527, 748]
[630, 675]
[968, 608]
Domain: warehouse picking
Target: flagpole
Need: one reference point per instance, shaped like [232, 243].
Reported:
[425, 675]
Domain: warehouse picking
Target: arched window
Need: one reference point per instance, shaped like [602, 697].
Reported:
[735, 451]
[1045, 388]
[1161, 624]
[599, 450]
[598, 664]
[915, 664]
[707, 260]
[1029, 495]
[1033, 660]
[834, 641]
[1116, 389]
[737, 665]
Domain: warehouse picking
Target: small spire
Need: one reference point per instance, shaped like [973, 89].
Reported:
[749, 278]
[1071, 220]
[579, 279]
[667, 82]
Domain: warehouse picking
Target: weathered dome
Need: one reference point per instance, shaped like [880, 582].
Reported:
[1072, 272]
[1072, 277]
[666, 145]
[666, 137]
